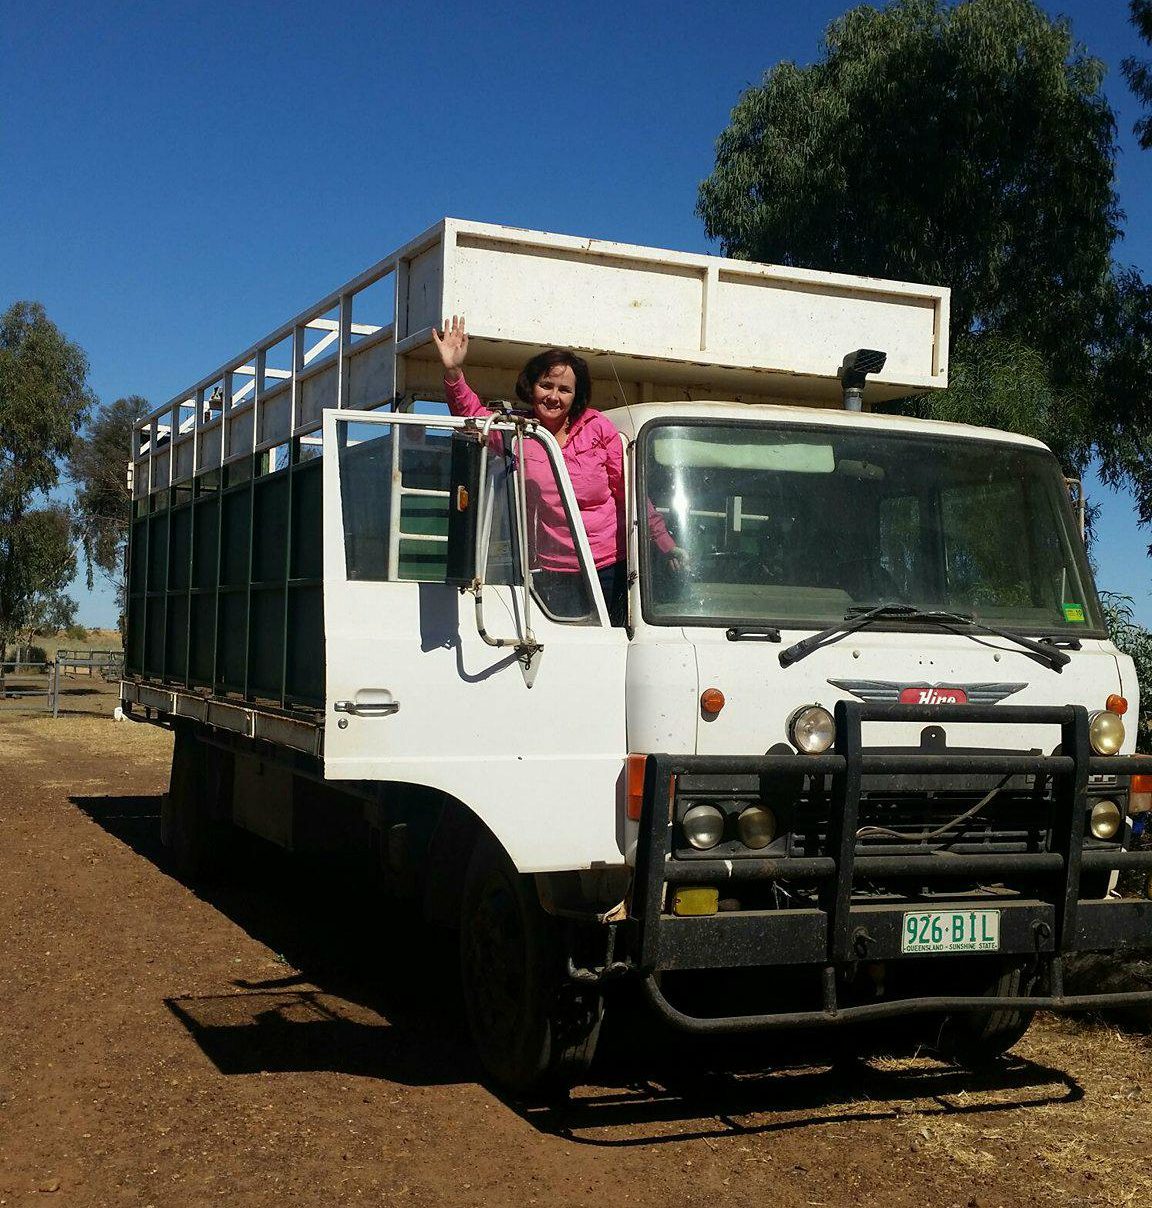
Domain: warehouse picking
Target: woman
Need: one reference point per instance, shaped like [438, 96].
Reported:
[556, 385]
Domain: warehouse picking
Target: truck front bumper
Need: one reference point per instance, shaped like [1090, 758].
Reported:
[844, 928]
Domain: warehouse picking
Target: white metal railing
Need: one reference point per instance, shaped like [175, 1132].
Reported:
[252, 404]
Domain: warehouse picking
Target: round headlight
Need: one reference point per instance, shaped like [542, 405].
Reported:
[757, 826]
[703, 826]
[1106, 733]
[1105, 820]
[812, 730]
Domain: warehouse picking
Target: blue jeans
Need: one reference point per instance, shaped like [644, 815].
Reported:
[565, 597]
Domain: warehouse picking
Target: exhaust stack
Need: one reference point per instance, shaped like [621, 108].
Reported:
[855, 367]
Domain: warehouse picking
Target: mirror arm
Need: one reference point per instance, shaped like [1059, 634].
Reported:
[527, 648]
[522, 528]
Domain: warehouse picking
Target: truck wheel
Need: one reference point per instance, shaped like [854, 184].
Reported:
[534, 1032]
[193, 827]
[976, 1039]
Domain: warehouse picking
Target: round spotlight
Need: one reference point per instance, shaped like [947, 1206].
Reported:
[1105, 733]
[812, 730]
[757, 826]
[1105, 819]
[703, 826]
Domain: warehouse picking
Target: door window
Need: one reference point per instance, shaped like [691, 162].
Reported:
[395, 484]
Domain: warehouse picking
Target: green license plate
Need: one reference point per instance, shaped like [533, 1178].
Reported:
[951, 931]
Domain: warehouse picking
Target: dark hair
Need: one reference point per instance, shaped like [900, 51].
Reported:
[545, 362]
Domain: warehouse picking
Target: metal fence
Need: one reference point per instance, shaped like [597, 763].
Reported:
[70, 684]
[107, 663]
[87, 681]
[27, 685]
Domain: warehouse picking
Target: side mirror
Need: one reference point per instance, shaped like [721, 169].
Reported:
[466, 472]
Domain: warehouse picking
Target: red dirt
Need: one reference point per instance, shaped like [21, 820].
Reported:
[267, 1044]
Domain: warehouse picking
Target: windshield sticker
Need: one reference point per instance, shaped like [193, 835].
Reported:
[1074, 612]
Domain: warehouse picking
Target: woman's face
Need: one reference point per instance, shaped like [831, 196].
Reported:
[553, 394]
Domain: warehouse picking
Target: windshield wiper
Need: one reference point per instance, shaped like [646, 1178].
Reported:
[857, 618]
[854, 618]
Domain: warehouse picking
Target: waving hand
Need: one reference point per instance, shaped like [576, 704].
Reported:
[452, 345]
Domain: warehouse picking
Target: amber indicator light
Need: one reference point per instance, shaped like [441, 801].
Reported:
[1116, 704]
[1140, 795]
[711, 700]
[635, 785]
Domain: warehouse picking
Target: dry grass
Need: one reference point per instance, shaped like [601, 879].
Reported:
[47, 740]
[1083, 1148]
[98, 639]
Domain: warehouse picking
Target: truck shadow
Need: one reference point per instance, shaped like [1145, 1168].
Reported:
[676, 1105]
[292, 1025]
[367, 990]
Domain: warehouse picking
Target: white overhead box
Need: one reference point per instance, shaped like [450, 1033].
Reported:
[675, 321]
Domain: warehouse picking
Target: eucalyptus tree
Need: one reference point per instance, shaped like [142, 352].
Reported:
[1138, 72]
[968, 145]
[44, 398]
[102, 509]
[43, 566]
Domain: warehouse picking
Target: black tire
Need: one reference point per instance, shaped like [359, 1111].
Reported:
[534, 1032]
[977, 1039]
[195, 816]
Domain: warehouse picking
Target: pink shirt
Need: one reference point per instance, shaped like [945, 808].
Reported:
[594, 457]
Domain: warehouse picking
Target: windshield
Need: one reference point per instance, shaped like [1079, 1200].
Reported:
[802, 524]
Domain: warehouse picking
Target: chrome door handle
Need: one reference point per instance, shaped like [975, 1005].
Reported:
[383, 709]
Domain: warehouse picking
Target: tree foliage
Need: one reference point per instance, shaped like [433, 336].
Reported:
[99, 467]
[999, 382]
[44, 398]
[43, 563]
[1134, 640]
[1122, 395]
[967, 145]
[1138, 72]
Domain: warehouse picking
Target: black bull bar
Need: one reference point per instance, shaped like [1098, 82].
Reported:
[840, 932]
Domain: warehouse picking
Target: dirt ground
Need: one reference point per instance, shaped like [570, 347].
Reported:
[276, 1043]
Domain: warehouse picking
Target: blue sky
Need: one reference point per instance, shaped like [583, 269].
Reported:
[178, 179]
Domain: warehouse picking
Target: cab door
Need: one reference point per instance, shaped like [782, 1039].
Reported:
[415, 691]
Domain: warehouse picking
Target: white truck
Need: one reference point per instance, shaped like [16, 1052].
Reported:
[867, 740]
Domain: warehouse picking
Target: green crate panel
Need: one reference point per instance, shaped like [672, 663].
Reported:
[305, 661]
[205, 541]
[158, 551]
[180, 548]
[266, 644]
[202, 638]
[270, 529]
